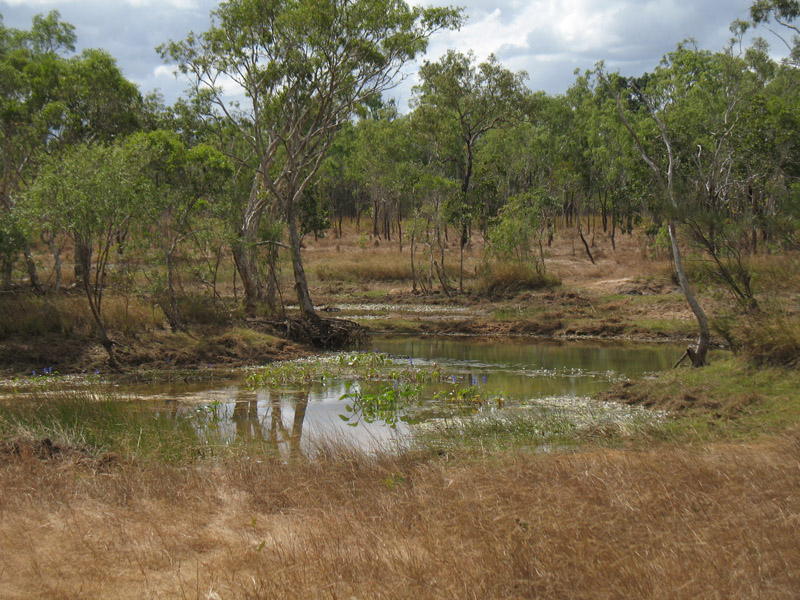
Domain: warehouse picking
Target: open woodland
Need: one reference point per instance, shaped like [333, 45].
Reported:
[141, 242]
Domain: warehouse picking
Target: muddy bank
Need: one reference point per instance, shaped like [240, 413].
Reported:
[218, 347]
[635, 313]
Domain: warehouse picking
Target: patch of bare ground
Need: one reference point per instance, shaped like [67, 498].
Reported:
[667, 522]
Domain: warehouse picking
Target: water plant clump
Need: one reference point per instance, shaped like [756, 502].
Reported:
[386, 402]
[471, 398]
[361, 366]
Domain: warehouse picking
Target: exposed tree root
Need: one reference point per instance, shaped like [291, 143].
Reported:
[326, 334]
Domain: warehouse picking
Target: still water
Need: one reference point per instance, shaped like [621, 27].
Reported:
[473, 377]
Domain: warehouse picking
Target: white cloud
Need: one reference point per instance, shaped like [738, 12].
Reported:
[177, 4]
[546, 38]
[164, 71]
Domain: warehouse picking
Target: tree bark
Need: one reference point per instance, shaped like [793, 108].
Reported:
[300, 282]
[245, 250]
[699, 356]
[85, 254]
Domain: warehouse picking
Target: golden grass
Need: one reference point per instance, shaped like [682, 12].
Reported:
[668, 522]
[64, 314]
[364, 268]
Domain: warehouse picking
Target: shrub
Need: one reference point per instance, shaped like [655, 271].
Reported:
[771, 339]
[500, 279]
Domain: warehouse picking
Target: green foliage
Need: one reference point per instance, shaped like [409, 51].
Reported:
[519, 227]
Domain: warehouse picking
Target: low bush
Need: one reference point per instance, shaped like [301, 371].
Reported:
[769, 339]
[499, 279]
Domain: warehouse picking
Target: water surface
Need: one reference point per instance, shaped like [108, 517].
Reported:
[503, 375]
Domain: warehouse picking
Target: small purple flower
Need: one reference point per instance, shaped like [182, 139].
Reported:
[454, 378]
[411, 361]
[474, 381]
[484, 379]
[96, 371]
[168, 360]
[34, 373]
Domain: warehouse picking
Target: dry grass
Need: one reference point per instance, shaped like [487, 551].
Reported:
[369, 267]
[498, 280]
[65, 314]
[717, 522]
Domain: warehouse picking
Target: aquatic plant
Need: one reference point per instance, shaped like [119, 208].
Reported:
[386, 402]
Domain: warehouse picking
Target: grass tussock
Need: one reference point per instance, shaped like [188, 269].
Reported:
[730, 398]
[498, 280]
[363, 268]
[656, 523]
[769, 339]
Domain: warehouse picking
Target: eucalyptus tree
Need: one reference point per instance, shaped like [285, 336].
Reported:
[381, 154]
[783, 12]
[456, 104]
[662, 163]
[688, 136]
[31, 63]
[303, 66]
[49, 101]
[91, 193]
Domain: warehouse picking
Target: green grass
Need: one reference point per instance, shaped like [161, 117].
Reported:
[99, 422]
[729, 399]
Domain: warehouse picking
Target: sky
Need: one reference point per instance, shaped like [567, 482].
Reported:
[548, 39]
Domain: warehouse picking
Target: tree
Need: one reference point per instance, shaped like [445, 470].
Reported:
[91, 193]
[784, 13]
[179, 183]
[49, 102]
[30, 67]
[457, 103]
[663, 169]
[304, 66]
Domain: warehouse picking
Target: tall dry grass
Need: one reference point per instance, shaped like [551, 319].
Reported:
[65, 314]
[668, 522]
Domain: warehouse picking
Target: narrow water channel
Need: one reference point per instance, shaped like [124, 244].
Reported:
[385, 403]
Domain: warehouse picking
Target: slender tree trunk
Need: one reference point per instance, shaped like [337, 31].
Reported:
[94, 297]
[33, 273]
[300, 282]
[245, 250]
[583, 239]
[173, 314]
[51, 244]
[698, 356]
[8, 273]
[413, 270]
[613, 228]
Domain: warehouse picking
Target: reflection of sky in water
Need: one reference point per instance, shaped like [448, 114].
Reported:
[520, 371]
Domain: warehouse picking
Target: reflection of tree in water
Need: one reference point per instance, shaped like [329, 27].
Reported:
[271, 430]
[245, 418]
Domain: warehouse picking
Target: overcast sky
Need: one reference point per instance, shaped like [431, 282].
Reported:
[547, 38]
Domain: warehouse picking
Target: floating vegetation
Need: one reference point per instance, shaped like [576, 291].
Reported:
[358, 366]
